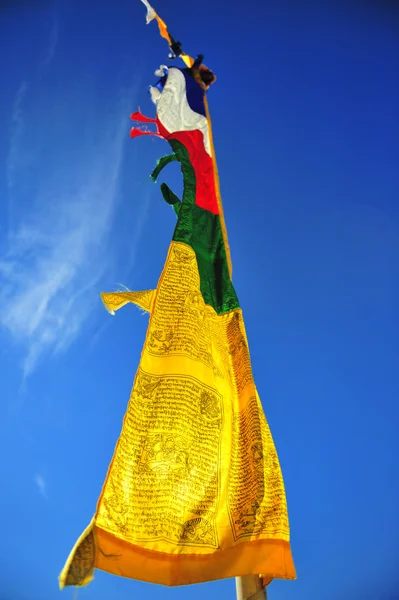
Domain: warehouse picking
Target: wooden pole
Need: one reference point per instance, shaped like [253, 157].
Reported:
[250, 587]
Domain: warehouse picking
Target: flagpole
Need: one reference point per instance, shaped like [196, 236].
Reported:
[249, 587]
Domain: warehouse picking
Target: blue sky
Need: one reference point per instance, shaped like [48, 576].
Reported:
[305, 116]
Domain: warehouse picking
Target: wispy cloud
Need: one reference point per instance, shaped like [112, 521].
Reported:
[17, 130]
[41, 485]
[52, 44]
[57, 248]
[143, 213]
[16, 156]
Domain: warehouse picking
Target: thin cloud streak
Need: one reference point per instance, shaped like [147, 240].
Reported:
[17, 130]
[138, 227]
[41, 485]
[52, 44]
[58, 249]
[18, 123]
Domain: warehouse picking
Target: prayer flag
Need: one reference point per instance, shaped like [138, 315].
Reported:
[194, 491]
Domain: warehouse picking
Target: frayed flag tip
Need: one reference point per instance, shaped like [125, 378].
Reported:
[151, 14]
